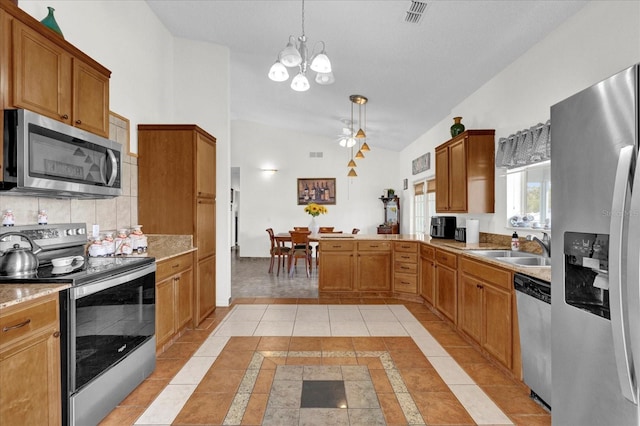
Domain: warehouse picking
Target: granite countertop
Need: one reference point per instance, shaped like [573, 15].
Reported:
[12, 294]
[164, 247]
[543, 273]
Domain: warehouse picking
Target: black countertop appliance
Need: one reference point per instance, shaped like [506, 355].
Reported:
[443, 227]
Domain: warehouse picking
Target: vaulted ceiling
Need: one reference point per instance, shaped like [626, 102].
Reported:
[412, 73]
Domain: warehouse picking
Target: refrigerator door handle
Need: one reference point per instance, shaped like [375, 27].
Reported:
[633, 271]
[621, 347]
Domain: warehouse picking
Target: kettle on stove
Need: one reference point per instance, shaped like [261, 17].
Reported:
[19, 261]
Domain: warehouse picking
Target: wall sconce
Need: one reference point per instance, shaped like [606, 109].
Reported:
[269, 172]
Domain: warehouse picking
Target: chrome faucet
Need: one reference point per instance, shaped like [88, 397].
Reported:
[545, 243]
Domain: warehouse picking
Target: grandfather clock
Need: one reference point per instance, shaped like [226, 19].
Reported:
[391, 223]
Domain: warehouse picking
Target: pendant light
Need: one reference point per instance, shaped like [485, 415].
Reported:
[361, 134]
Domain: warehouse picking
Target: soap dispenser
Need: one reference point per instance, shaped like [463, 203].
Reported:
[515, 242]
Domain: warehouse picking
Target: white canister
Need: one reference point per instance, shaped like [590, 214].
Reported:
[96, 249]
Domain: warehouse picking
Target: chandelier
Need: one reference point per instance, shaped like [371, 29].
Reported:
[356, 137]
[296, 54]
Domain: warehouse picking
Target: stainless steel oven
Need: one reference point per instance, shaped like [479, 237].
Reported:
[107, 319]
[110, 341]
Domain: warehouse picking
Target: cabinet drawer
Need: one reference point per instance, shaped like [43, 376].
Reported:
[406, 257]
[447, 259]
[407, 268]
[428, 252]
[405, 283]
[499, 277]
[22, 321]
[374, 245]
[172, 266]
[337, 245]
[405, 247]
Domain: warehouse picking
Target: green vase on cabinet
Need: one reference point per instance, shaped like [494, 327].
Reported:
[50, 22]
[457, 127]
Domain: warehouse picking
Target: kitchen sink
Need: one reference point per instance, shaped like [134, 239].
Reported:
[518, 258]
[502, 253]
[526, 261]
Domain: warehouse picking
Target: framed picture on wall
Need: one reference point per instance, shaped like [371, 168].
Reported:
[316, 190]
[421, 164]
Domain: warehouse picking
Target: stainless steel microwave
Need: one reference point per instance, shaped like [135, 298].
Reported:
[47, 158]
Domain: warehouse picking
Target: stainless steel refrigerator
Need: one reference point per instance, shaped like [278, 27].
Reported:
[595, 293]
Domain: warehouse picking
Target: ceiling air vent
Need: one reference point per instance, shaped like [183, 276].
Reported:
[415, 12]
[315, 154]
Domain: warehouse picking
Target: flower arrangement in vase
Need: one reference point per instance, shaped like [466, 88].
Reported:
[315, 210]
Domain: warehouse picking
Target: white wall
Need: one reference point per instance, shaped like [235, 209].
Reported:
[271, 201]
[600, 40]
[156, 78]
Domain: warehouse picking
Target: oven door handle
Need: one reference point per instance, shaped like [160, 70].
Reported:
[95, 287]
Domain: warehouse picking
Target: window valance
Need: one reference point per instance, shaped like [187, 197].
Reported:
[525, 147]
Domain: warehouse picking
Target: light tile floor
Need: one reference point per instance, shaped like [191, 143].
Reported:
[204, 376]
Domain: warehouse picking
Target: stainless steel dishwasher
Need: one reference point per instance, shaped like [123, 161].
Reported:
[533, 299]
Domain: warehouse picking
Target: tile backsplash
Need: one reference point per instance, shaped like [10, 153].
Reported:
[110, 214]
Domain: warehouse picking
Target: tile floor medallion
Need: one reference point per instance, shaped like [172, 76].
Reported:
[267, 364]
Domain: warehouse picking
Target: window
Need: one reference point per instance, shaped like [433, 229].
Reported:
[424, 205]
[419, 208]
[529, 197]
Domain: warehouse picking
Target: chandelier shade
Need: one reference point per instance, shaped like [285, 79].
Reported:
[300, 83]
[365, 147]
[352, 173]
[296, 54]
[278, 72]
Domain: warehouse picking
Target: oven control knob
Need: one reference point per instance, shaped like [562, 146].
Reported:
[71, 232]
[80, 231]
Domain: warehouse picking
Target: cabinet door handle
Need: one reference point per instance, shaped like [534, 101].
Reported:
[13, 327]
[374, 246]
[64, 117]
[338, 246]
[78, 122]
[56, 334]
[404, 267]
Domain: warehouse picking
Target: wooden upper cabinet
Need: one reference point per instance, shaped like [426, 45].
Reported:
[206, 158]
[90, 99]
[465, 173]
[42, 72]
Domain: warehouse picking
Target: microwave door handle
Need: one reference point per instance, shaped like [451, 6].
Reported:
[114, 167]
[621, 347]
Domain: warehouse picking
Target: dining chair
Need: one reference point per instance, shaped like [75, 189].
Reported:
[301, 249]
[277, 250]
[326, 229]
[355, 231]
[300, 228]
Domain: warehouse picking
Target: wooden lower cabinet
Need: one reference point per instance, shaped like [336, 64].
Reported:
[30, 390]
[373, 266]
[337, 266]
[174, 290]
[405, 267]
[446, 284]
[486, 308]
[427, 274]
[205, 294]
